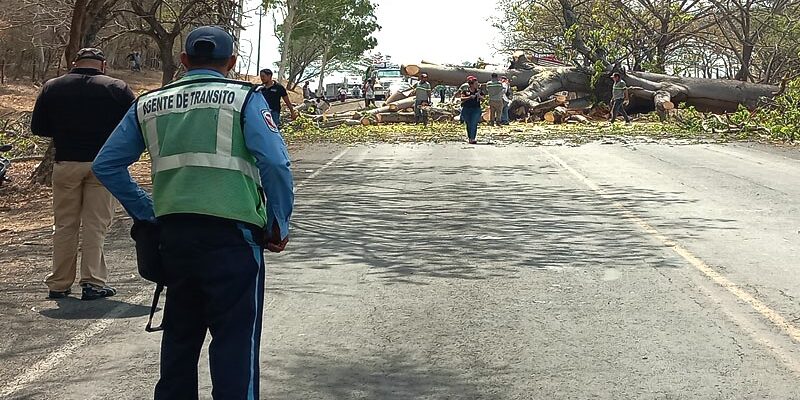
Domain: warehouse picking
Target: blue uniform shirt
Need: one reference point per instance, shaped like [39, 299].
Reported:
[126, 145]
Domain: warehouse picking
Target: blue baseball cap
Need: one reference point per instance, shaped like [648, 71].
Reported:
[209, 41]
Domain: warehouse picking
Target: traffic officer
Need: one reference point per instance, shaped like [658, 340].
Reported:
[215, 152]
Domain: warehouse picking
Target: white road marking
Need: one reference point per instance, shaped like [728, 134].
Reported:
[39, 369]
[773, 316]
[320, 169]
[36, 371]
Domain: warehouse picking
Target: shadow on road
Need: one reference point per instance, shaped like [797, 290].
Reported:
[73, 308]
[474, 222]
[383, 376]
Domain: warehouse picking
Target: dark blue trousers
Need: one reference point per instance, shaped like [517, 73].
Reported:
[215, 283]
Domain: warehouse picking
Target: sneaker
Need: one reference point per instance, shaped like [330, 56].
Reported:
[58, 295]
[92, 292]
[473, 142]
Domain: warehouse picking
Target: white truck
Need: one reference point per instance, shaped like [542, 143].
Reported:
[387, 80]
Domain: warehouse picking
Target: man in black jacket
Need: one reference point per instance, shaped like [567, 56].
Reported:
[79, 111]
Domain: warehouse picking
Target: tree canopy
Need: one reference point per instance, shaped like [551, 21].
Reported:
[748, 40]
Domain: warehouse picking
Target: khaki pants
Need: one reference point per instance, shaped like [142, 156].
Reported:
[496, 111]
[80, 203]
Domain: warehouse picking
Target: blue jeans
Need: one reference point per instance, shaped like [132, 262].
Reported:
[276, 117]
[617, 108]
[504, 118]
[471, 117]
[420, 115]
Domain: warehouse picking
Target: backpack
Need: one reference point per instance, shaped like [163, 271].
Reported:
[146, 234]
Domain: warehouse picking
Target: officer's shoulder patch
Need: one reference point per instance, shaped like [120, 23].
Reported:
[268, 119]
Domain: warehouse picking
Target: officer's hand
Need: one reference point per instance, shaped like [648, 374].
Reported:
[295, 114]
[274, 242]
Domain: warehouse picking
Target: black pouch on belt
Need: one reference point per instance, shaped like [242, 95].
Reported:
[148, 259]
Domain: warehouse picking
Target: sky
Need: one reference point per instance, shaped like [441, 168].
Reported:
[441, 31]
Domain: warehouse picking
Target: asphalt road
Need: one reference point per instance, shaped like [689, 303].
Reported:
[482, 272]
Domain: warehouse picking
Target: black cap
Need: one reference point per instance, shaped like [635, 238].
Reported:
[90, 53]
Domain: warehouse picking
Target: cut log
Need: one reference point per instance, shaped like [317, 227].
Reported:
[400, 95]
[391, 118]
[396, 106]
[662, 101]
[577, 119]
[557, 116]
[580, 103]
[331, 124]
[365, 121]
[486, 116]
[546, 105]
[403, 104]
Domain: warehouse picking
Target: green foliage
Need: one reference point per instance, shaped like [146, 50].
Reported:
[599, 72]
[690, 119]
[330, 33]
[782, 116]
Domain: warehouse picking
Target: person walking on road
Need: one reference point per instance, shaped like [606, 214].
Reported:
[222, 191]
[471, 108]
[423, 98]
[273, 92]
[369, 93]
[496, 92]
[619, 94]
[79, 111]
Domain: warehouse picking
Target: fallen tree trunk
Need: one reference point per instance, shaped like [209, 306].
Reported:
[712, 95]
[455, 76]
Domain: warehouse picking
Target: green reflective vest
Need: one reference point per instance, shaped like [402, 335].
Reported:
[495, 90]
[423, 91]
[193, 130]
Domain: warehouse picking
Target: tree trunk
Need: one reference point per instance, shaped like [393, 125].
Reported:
[43, 174]
[747, 59]
[76, 31]
[168, 67]
[454, 76]
[286, 28]
[323, 66]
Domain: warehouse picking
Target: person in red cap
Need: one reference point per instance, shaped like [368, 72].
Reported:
[471, 97]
